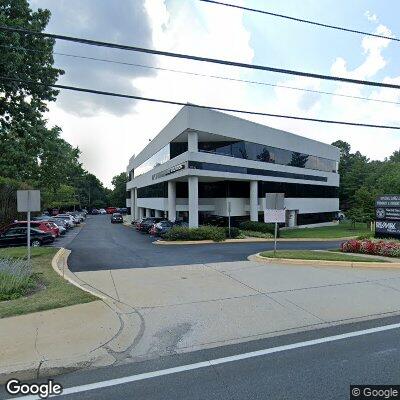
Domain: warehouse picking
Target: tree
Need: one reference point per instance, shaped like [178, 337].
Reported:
[118, 195]
[28, 58]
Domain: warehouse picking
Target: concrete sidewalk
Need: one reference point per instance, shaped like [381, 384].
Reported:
[150, 312]
[191, 307]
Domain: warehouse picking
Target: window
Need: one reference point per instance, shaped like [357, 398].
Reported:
[269, 154]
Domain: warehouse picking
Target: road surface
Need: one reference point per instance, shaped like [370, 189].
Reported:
[101, 245]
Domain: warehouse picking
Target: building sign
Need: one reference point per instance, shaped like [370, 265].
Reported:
[388, 216]
[169, 171]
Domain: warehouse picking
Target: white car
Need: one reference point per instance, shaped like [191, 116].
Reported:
[102, 211]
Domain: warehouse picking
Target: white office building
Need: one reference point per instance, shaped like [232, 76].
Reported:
[206, 163]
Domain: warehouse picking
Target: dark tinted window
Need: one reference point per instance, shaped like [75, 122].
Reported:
[259, 152]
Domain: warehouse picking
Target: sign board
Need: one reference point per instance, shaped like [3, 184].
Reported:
[28, 200]
[272, 215]
[390, 228]
[388, 215]
[275, 201]
[390, 200]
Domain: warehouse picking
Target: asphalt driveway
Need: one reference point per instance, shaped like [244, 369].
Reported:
[101, 245]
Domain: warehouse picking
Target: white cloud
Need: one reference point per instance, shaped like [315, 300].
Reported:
[371, 16]
[107, 141]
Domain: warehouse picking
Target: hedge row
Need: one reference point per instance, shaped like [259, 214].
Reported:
[388, 248]
[257, 227]
[217, 234]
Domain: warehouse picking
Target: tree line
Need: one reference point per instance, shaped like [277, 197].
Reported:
[32, 154]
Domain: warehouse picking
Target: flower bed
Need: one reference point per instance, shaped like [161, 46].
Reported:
[387, 248]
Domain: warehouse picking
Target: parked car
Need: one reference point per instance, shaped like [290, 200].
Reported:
[67, 218]
[61, 224]
[80, 217]
[117, 218]
[44, 226]
[122, 210]
[94, 211]
[111, 210]
[161, 228]
[102, 211]
[17, 236]
[147, 223]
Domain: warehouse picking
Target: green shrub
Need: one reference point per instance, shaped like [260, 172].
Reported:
[256, 227]
[214, 233]
[15, 278]
[366, 236]
[235, 232]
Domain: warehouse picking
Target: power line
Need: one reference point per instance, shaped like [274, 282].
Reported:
[207, 75]
[339, 28]
[179, 103]
[200, 59]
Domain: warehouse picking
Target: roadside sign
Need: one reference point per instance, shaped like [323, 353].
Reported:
[272, 216]
[275, 201]
[27, 201]
[274, 211]
[388, 215]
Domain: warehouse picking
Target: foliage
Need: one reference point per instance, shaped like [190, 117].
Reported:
[56, 292]
[233, 233]
[8, 199]
[217, 234]
[361, 180]
[15, 278]
[256, 226]
[118, 195]
[388, 248]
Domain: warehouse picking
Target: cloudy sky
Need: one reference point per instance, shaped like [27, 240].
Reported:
[108, 131]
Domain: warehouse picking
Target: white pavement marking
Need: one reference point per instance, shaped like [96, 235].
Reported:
[209, 363]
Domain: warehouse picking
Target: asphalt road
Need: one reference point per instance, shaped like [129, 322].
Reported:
[102, 245]
[322, 370]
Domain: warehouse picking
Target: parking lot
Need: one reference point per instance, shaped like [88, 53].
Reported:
[100, 245]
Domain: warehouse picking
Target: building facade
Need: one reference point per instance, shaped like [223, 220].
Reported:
[205, 163]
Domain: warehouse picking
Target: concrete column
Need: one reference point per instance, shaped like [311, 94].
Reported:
[193, 183]
[253, 201]
[140, 212]
[136, 208]
[193, 143]
[172, 201]
[157, 213]
[148, 212]
[133, 215]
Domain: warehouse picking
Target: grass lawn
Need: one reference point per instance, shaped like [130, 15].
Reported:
[53, 291]
[343, 229]
[316, 255]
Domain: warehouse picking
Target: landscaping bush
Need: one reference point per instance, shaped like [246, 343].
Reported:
[15, 278]
[257, 234]
[386, 248]
[214, 233]
[257, 227]
[366, 236]
[235, 232]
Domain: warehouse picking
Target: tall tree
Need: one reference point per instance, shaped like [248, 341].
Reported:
[118, 195]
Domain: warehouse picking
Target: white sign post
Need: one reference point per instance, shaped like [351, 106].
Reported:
[27, 201]
[274, 211]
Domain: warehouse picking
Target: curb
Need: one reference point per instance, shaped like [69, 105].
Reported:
[349, 264]
[93, 358]
[247, 240]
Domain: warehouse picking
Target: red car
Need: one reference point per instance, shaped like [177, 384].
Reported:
[44, 226]
[111, 210]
